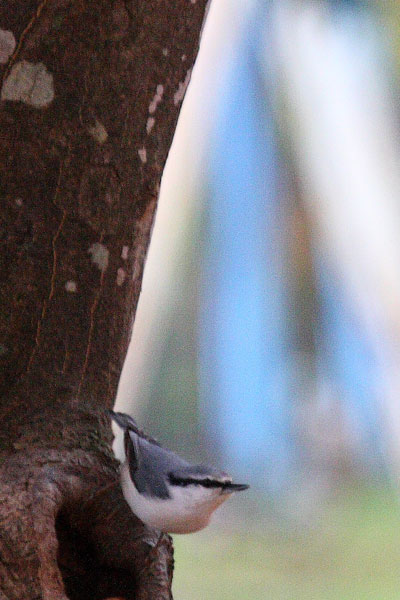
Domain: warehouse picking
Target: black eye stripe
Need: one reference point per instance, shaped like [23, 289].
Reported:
[207, 483]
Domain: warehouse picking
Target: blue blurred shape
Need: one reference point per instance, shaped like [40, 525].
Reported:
[245, 372]
[349, 358]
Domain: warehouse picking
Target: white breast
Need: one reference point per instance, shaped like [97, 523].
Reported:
[189, 509]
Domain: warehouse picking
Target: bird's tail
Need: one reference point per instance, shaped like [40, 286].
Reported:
[126, 422]
[123, 420]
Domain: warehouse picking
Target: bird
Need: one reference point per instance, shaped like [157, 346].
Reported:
[163, 490]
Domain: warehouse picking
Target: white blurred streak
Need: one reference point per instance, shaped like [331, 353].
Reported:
[178, 203]
[345, 139]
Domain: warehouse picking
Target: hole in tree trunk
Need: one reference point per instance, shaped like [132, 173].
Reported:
[84, 577]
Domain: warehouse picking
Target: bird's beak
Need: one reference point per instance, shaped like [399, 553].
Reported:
[234, 487]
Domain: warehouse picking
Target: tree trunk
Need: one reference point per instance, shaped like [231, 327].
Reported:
[90, 95]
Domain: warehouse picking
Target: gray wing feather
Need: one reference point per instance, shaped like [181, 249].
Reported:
[151, 465]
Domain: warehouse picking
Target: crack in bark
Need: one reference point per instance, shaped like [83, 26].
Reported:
[54, 266]
[53, 244]
[91, 327]
[52, 284]
[66, 357]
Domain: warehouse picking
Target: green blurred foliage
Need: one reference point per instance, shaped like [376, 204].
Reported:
[352, 553]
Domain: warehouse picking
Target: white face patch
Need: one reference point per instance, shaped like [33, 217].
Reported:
[30, 83]
[188, 510]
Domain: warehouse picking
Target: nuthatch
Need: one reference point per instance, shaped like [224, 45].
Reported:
[165, 491]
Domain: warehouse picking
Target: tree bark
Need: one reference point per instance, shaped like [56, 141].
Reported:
[90, 95]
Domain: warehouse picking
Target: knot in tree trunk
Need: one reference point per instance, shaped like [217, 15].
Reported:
[66, 532]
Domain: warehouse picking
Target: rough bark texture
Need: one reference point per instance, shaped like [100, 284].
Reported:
[90, 95]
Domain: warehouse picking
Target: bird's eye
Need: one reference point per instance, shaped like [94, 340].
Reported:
[178, 481]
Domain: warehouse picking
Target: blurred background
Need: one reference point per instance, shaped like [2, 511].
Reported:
[267, 338]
